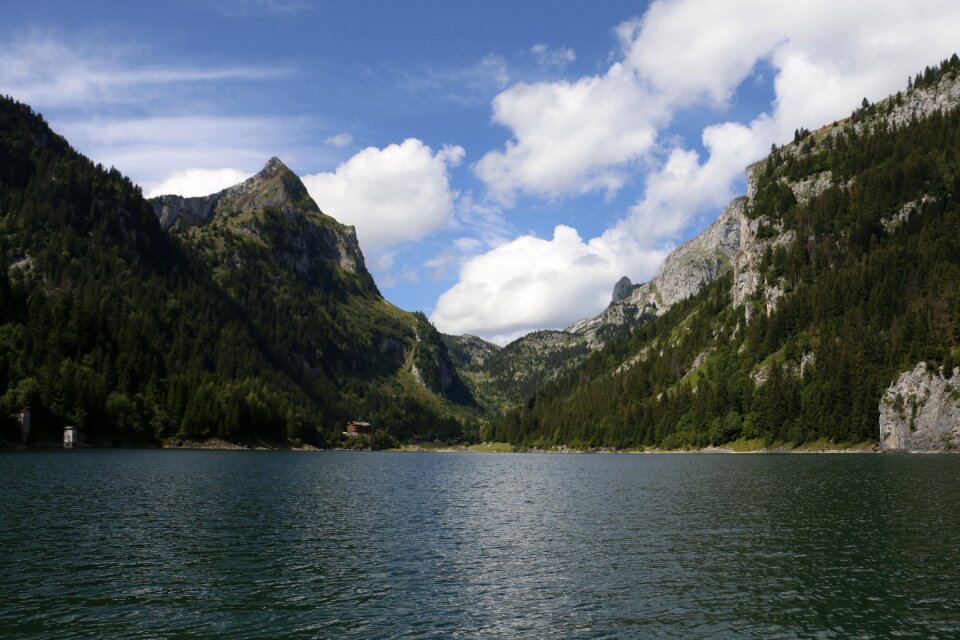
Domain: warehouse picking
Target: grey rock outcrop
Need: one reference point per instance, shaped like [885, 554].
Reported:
[312, 234]
[920, 411]
[897, 220]
[920, 103]
[622, 289]
[810, 187]
[184, 212]
[687, 269]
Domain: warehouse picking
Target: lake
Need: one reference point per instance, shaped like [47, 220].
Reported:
[192, 544]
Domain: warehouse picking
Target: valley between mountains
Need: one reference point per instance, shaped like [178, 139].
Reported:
[820, 308]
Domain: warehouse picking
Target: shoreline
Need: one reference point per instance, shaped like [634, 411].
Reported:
[217, 444]
[861, 448]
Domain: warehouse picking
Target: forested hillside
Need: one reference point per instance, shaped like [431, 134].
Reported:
[109, 323]
[300, 276]
[858, 280]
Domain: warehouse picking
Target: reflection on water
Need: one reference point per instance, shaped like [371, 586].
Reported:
[267, 544]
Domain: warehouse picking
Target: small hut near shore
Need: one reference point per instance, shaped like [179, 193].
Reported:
[355, 428]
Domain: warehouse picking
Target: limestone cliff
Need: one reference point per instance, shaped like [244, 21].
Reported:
[690, 267]
[920, 411]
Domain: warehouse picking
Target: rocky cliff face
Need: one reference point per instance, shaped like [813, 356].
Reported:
[689, 268]
[432, 366]
[920, 411]
[622, 289]
[310, 234]
[921, 103]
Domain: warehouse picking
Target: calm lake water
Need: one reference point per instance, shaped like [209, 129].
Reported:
[191, 544]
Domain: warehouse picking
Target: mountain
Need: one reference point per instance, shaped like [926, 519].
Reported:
[809, 311]
[302, 278]
[246, 315]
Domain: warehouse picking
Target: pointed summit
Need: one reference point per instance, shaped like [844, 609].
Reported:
[274, 186]
[622, 289]
[255, 208]
[274, 165]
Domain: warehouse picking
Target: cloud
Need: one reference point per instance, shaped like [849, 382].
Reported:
[46, 72]
[469, 86]
[242, 8]
[198, 182]
[485, 220]
[490, 68]
[569, 137]
[572, 137]
[89, 87]
[683, 187]
[826, 55]
[532, 283]
[153, 149]
[547, 57]
[389, 275]
[441, 263]
[339, 140]
[689, 51]
[397, 194]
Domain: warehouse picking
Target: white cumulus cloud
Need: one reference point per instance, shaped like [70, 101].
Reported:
[396, 194]
[198, 182]
[534, 283]
[569, 137]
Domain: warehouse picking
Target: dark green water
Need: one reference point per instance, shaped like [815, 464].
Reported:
[157, 544]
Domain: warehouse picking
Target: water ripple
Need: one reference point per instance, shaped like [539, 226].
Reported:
[158, 544]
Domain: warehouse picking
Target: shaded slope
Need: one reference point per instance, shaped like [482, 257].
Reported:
[106, 323]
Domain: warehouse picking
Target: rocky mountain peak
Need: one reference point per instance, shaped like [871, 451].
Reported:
[274, 166]
[274, 186]
[622, 289]
[274, 191]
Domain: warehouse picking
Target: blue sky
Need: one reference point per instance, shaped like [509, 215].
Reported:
[504, 162]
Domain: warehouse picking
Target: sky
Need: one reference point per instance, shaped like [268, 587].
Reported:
[504, 163]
